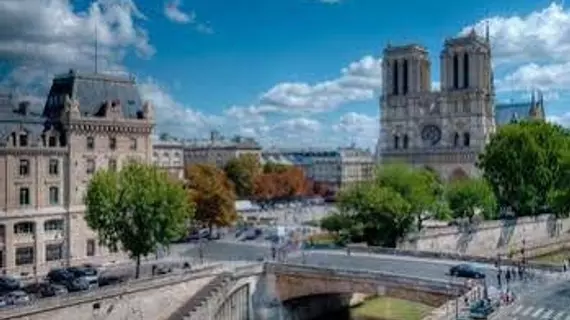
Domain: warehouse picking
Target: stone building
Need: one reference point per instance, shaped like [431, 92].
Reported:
[218, 150]
[168, 154]
[89, 121]
[443, 130]
[335, 168]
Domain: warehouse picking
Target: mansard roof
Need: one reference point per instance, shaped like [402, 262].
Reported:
[92, 91]
[16, 116]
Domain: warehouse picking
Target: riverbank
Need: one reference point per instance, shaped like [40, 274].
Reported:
[386, 308]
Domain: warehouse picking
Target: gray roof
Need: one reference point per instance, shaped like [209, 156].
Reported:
[506, 112]
[92, 91]
[16, 116]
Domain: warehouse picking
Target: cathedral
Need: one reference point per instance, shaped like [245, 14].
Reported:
[443, 130]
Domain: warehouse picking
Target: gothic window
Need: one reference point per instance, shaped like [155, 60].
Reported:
[455, 71]
[90, 168]
[396, 141]
[14, 139]
[466, 70]
[112, 143]
[405, 142]
[456, 139]
[23, 139]
[53, 195]
[112, 164]
[90, 143]
[53, 167]
[405, 77]
[466, 139]
[395, 78]
[24, 167]
[24, 196]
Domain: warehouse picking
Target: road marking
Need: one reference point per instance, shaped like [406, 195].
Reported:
[537, 312]
[527, 311]
[517, 310]
[558, 316]
[547, 314]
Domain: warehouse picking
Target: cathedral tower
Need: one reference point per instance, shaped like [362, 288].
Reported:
[406, 70]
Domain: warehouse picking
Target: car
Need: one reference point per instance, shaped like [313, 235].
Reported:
[68, 279]
[8, 284]
[89, 274]
[465, 270]
[17, 297]
[52, 290]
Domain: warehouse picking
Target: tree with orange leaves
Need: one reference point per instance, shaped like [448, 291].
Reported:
[279, 182]
[213, 195]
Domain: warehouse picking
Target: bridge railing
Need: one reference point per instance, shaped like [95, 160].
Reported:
[438, 285]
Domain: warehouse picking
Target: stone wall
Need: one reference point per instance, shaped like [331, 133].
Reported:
[152, 299]
[490, 237]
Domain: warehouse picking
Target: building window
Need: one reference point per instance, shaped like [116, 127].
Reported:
[112, 143]
[405, 77]
[24, 228]
[395, 78]
[90, 247]
[455, 71]
[24, 167]
[24, 255]
[112, 164]
[53, 225]
[90, 143]
[406, 141]
[54, 252]
[24, 196]
[466, 139]
[90, 168]
[53, 195]
[396, 142]
[133, 143]
[52, 141]
[456, 139]
[466, 70]
[53, 167]
[23, 140]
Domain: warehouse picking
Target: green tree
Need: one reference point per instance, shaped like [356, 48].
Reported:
[136, 209]
[559, 198]
[420, 187]
[523, 162]
[242, 171]
[469, 197]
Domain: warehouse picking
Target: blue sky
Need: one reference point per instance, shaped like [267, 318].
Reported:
[287, 72]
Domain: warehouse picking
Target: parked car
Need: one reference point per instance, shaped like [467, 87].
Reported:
[465, 270]
[52, 290]
[3, 302]
[8, 284]
[88, 274]
[67, 279]
[17, 297]
[108, 280]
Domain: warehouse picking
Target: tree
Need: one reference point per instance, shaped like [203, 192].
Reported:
[469, 197]
[213, 195]
[420, 187]
[280, 183]
[523, 162]
[136, 209]
[242, 171]
[559, 198]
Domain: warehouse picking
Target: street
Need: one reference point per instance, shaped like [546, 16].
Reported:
[543, 302]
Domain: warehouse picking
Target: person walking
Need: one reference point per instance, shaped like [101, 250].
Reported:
[508, 276]
[499, 278]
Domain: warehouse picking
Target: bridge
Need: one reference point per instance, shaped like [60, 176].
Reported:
[253, 291]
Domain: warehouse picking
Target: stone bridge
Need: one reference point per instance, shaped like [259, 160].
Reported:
[255, 291]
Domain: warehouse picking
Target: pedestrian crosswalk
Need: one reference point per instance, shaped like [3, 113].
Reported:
[536, 312]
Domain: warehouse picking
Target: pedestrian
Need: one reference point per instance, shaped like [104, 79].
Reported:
[565, 266]
[499, 278]
[153, 269]
[508, 275]
[521, 274]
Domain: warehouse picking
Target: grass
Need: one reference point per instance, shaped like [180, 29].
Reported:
[386, 308]
[556, 257]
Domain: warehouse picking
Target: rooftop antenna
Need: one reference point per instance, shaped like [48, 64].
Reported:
[96, 48]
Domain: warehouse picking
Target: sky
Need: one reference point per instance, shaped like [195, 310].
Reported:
[290, 73]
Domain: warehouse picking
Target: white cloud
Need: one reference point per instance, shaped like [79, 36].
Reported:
[359, 128]
[173, 12]
[563, 119]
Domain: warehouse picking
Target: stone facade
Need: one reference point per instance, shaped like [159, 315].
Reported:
[169, 156]
[334, 168]
[442, 130]
[88, 122]
[218, 150]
